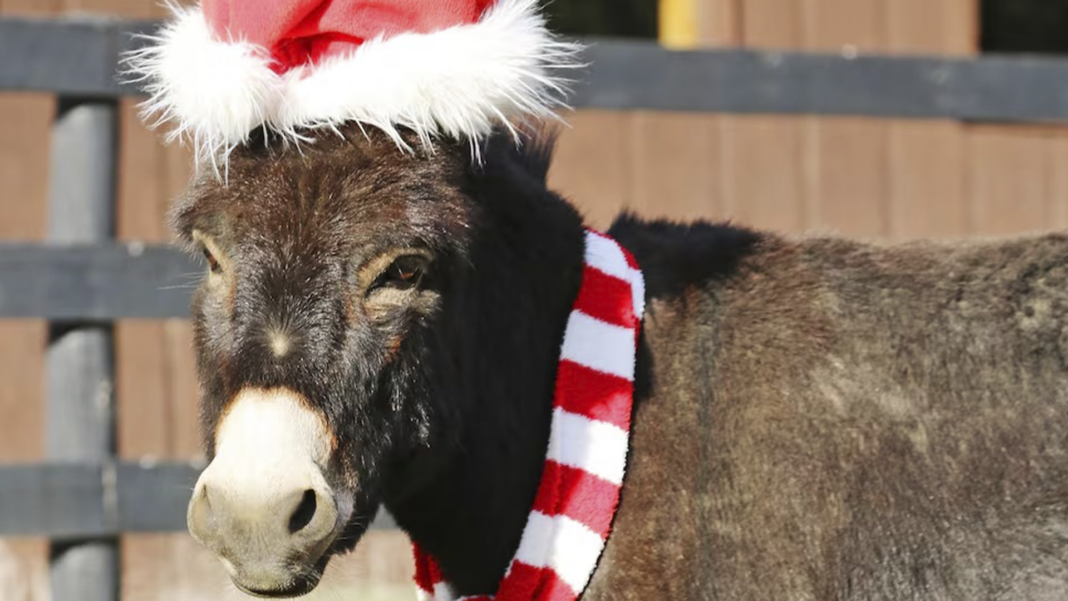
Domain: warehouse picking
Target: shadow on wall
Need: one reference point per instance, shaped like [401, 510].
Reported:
[1025, 26]
[615, 18]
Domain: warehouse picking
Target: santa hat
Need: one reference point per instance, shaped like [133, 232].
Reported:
[455, 68]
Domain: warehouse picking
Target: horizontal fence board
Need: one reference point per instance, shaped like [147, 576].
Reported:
[60, 501]
[64, 501]
[95, 282]
[628, 75]
[69, 57]
[82, 57]
[154, 498]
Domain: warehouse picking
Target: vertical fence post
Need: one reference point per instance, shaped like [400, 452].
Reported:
[80, 365]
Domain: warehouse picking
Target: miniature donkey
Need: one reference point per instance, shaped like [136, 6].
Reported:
[815, 419]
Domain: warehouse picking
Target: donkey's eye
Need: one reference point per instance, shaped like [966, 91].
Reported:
[404, 273]
[213, 263]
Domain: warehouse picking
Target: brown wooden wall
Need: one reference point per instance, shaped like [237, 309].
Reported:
[884, 180]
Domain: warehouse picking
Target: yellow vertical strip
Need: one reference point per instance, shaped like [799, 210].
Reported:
[679, 28]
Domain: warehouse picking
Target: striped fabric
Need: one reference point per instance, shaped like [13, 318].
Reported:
[587, 455]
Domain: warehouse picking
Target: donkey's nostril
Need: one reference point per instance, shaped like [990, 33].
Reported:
[304, 513]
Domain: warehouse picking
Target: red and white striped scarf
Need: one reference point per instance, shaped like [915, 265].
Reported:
[587, 454]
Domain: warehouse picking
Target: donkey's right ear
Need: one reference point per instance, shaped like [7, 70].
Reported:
[181, 218]
[197, 209]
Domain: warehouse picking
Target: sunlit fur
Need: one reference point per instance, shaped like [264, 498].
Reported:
[815, 418]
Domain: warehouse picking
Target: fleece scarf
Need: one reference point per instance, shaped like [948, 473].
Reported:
[587, 453]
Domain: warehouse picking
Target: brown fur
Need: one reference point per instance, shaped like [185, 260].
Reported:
[817, 419]
[841, 421]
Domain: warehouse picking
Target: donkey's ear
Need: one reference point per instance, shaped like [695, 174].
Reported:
[181, 218]
[193, 208]
[530, 148]
[536, 151]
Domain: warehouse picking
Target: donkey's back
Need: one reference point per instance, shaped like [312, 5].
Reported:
[822, 419]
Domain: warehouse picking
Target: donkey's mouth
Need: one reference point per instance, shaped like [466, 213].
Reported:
[278, 580]
[264, 565]
[297, 586]
[299, 589]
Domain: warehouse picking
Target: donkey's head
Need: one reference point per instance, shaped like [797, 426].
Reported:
[338, 323]
[326, 354]
[324, 268]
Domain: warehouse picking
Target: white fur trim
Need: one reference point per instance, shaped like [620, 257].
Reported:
[213, 93]
[596, 447]
[598, 345]
[459, 82]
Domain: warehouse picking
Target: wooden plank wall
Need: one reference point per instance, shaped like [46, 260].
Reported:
[884, 180]
[24, 125]
[156, 388]
[872, 178]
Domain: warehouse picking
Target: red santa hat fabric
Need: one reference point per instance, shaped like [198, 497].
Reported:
[306, 31]
[457, 68]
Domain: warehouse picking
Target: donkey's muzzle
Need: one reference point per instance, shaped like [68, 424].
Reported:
[259, 540]
[263, 505]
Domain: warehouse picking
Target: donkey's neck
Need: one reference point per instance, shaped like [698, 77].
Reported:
[504, 330]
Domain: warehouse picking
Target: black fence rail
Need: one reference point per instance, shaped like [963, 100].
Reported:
[85, 501]
[82, 280]
[81, 58]
[80, 501]
[94, 282]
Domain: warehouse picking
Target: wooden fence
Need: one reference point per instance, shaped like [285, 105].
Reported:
[698, 117]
